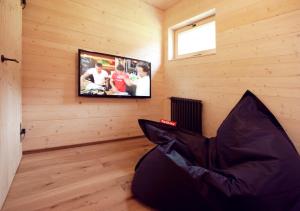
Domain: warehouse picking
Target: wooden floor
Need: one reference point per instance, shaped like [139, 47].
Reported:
[96, 177]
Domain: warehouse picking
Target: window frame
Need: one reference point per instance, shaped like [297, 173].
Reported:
[186, 25]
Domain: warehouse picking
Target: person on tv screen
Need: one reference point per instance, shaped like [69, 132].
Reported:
[118, 78]
[143, 81]
[98, 74]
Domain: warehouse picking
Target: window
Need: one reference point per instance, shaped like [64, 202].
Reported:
[196, 39]
[196, 36]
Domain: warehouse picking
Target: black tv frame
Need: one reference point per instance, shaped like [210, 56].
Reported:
[110, 96]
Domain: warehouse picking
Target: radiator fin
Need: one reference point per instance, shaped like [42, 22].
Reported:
[187, 113]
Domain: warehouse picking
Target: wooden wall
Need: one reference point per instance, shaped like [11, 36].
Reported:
[52, 33]
[258, 48]
[10, 93]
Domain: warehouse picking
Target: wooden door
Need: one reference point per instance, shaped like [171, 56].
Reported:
[10, 93]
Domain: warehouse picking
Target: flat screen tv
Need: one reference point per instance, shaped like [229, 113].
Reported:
[105, 75]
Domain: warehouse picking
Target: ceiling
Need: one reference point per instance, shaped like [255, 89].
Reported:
[161, 4]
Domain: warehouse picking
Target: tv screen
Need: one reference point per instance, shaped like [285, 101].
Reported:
[105, 75]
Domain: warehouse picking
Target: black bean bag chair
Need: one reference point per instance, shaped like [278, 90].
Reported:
[250, 165]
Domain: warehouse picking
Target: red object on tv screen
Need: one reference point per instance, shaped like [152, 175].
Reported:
[172, 123]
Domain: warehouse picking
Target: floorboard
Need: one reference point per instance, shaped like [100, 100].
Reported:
[96, 177]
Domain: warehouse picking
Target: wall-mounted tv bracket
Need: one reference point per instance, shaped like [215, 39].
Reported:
[3, 59]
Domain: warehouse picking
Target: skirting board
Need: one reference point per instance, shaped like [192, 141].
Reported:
[79, 145]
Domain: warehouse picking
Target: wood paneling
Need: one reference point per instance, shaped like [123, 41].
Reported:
[258, 48]
[95, 177]
[52, 33]
[10, 93]
[161, 4]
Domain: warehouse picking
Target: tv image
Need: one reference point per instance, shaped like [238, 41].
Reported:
[105, 75]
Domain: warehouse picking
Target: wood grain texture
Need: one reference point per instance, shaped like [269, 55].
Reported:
[258, 48]
[52, 33]
[94, 177]
[161, 4]
[10, 93]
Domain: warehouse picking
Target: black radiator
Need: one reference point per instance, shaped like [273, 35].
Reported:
[187, 113]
